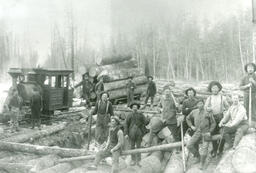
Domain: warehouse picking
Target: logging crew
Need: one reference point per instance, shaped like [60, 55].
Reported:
[15, 105]
[131, 86]
[203, 124]
[87, 89]
[151, 91]
[104, 111]
[168, 118]
[216, 103]
[135, 129]
[99, 87]
[234, 122]
[114, 145]
[188, 105]
[247, 82]
[36, 106]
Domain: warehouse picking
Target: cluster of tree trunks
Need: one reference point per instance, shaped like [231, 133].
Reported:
[113, 59]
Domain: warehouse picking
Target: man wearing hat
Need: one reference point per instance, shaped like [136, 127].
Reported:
[247, 82]
[113, 148]
[87, 88]
[151, 91]
[104, 111]
[131, 86]
[99, 87]
[216, 104]
[189, 104]
[135, 129]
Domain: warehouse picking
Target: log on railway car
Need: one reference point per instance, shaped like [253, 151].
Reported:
[52, 84]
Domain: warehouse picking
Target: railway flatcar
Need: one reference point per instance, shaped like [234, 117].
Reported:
[54, 86]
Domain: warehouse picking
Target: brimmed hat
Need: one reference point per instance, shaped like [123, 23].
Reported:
[135, 103]
[104, 92]
[116, 119]
[212, 83]
[150, 77]
[190, 89]
[252, 64]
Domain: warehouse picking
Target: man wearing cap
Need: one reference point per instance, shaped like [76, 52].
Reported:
[168, 108]
[104, 111]
[188, 105]
[216, 104]
[203, 124]
[131, 86]
[247, 82]
[234, 122]
[99, 87]
[15, 105]
[114, 145]
[135, 129]
[87, 89]
[151, 91]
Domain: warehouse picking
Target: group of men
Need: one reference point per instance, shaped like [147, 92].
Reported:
[202, 119]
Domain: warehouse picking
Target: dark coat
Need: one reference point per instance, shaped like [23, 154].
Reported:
[151, 90]
[36, 105]
[87, 88]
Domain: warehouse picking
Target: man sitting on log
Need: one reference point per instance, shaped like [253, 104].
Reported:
[14, 106]
[203, 124]
[104, 110]
[113, 147]
[131, 86]
[36, 106]
[99, 87]
[188, 105]
[151, 91]
[248, 83]
[87, 89]
[135, 129]
[168, 117]
[234, 122]
[216, 104]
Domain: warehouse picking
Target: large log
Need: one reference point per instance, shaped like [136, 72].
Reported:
[43, 150]
[43, 162]
[122, 83]
[30, 136]
[15, 167]
[121, 74]
[122, 93]
[113, 59]
[242, 159]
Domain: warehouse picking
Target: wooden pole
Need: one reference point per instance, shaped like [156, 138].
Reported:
[250, 106]
[183, 148]
[90, 131]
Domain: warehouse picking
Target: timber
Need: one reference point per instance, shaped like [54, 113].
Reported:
[42, 150]
[15, 167]
[113, 59]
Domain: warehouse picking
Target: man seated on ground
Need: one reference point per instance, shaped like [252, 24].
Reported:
[204, 124]
[234, 122]
[113, 147]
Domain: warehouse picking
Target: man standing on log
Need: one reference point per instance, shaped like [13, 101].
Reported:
[131, 86]
[188, 105]
[99, 87]
[247, 82]
[87, 89]
[104, 111]
[113, 147]
[203, 124]
[234, 122]
[135, 129]
[15, 105]
[169, 109]
[36, 105]
[151, 91]
[217, 105]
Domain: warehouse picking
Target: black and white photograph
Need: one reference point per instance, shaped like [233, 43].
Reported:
[127, 86]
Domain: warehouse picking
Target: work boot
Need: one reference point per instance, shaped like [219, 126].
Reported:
[202, 162]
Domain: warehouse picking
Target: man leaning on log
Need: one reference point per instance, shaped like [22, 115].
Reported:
[217, 104]
[135, 129]
[113, 147]
[104, 111]
[151, 91]
[203, 124]
[234, 122]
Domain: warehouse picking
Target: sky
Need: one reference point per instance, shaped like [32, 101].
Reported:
[32, 20]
